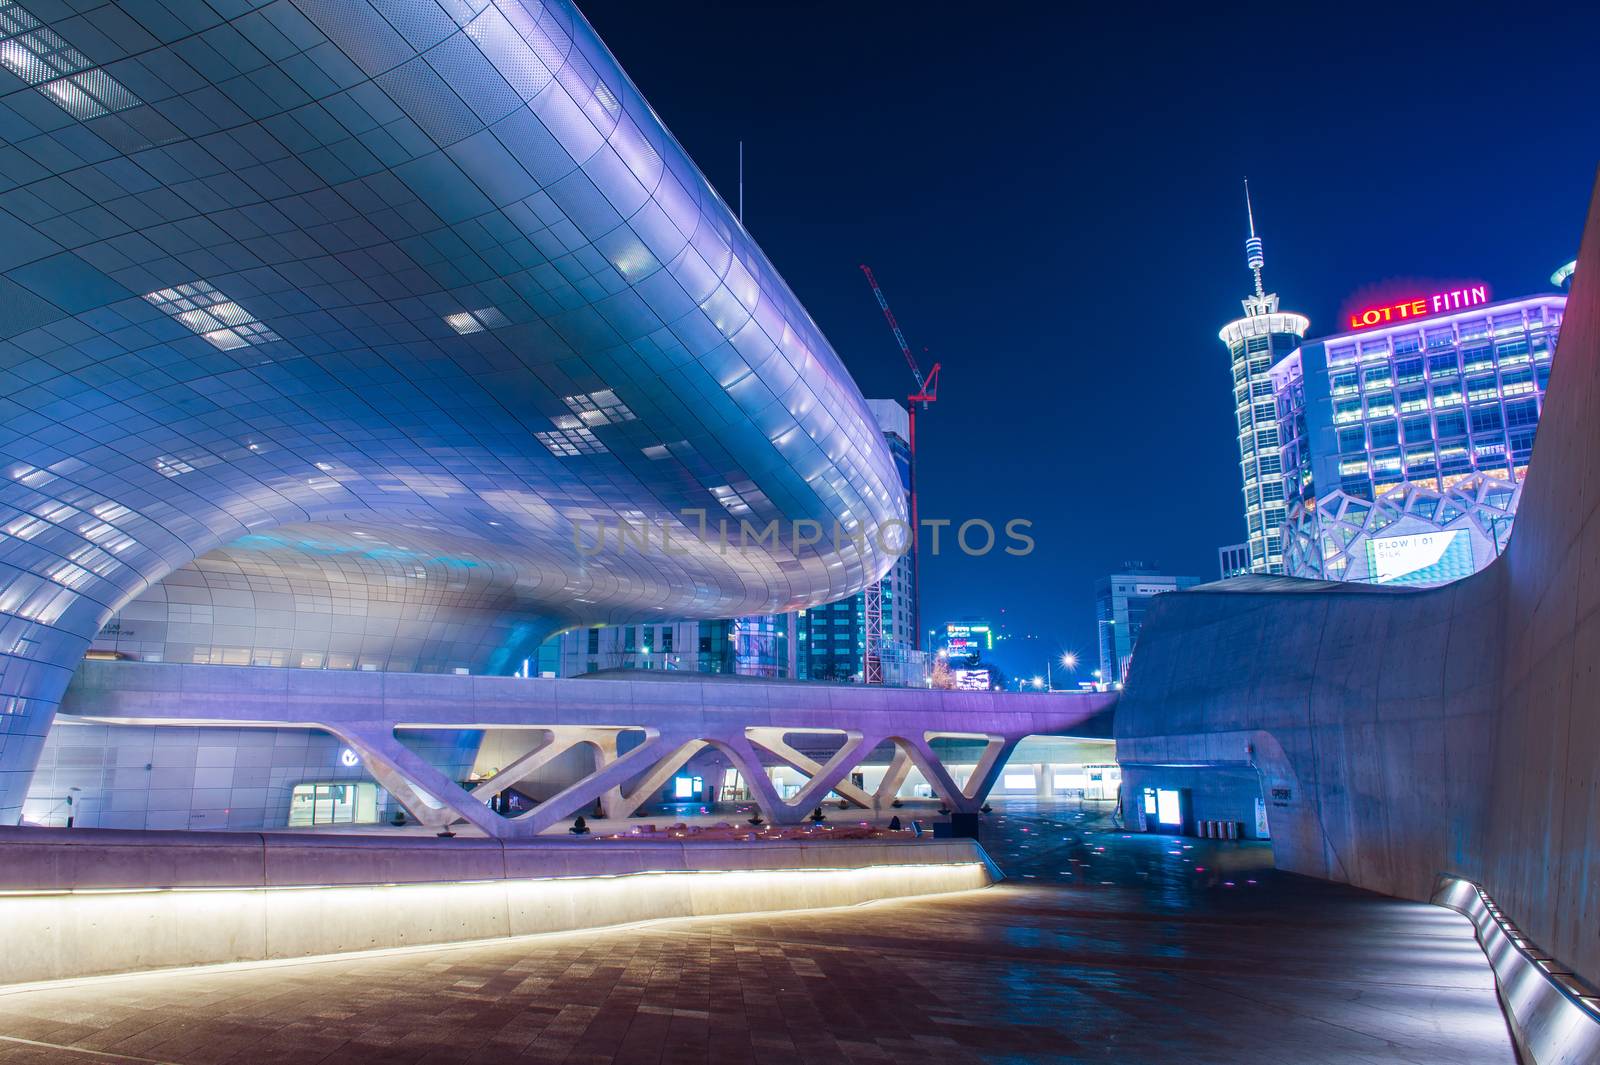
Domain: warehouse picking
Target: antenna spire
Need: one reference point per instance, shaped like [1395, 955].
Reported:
[1252, 247]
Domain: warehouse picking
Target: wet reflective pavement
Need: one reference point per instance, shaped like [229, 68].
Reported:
[1099, 947]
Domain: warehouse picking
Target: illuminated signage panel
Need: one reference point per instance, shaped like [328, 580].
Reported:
[1169, 807]
[1420, 307]
[1420, 558]
[972, 680]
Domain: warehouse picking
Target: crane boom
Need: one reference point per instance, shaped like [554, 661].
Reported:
[900, 337]
[927, 392]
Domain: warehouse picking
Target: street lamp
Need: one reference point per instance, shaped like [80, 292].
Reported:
[1069, 662]
[1038, 682]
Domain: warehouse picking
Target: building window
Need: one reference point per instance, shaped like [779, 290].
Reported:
[350, 803]
[1522, 412]
[1517, 382]
[1480, 389]
[1443, 365]
[594, 641]
[1384, 434]
[1453, 424]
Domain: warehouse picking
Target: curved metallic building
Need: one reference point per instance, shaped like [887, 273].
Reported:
[325, 327]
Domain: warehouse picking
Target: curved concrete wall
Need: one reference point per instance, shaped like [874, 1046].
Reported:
[1403, 734]
[91, 902]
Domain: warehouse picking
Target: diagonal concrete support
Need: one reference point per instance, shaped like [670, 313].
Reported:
[895, 778]
[771, 739]
[431, 797]
[831, 776]
[655, 778]
[738, 749]
[525, 766]
[938, 778]
[578, 796]
[995, 755]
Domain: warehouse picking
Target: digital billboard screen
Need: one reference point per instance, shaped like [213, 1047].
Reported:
[972, 680]
[1420, 558]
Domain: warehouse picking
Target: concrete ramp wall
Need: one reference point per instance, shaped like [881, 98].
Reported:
[1405, 734]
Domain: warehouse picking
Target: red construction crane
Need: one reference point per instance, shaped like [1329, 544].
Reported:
[927, 392]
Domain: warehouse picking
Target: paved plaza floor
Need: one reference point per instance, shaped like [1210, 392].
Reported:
[1100, 947]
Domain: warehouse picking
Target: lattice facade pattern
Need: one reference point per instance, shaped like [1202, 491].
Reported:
[1326, 539]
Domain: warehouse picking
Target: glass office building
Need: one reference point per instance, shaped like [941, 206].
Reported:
[1404, 441]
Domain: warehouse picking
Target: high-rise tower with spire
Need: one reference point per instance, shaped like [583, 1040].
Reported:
[1262, 337]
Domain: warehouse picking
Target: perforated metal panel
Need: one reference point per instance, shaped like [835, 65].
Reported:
[345, 299]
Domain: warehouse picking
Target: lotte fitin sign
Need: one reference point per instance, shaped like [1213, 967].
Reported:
[1453, 300]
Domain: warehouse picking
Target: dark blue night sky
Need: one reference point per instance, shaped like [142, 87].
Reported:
[1052, 203]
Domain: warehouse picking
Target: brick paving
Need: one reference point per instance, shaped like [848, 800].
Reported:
[1144, 951]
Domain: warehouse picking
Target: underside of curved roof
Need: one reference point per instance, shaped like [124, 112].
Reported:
[407, 286]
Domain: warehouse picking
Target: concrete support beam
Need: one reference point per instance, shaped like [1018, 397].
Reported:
[772, 739]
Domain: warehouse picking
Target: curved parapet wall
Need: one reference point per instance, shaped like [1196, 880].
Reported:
[378, 305]
[182, 899]
[1400, 735]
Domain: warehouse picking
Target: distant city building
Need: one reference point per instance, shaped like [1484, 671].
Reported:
[1405, 440]
[758, 646]
[832, 637]
[1264, 335]
[1233, 560]
[1120, 602]
[963, 643]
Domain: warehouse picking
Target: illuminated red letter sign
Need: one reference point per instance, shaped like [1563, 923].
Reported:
[1438, 303]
